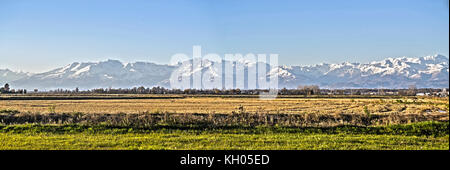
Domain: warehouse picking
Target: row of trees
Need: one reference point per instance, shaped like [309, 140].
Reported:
[301, 90]
[7, 90]
[157, 90]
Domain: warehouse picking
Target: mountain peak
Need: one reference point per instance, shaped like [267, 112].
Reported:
[436, 57]
[430, 71]
[110, 62]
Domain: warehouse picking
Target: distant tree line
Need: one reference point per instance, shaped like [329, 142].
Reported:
[301, 90]
[306, 90]
[7, 90]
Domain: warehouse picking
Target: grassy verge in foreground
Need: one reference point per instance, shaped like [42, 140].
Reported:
[425, 135]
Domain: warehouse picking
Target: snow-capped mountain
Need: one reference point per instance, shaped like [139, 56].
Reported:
[110, 73]
[7, 75]
[429, 71]
[424, 72]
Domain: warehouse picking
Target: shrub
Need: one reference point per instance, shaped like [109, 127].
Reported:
[10, 112]
[366, 111]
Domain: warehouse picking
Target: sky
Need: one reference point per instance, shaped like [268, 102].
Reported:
[36, 36]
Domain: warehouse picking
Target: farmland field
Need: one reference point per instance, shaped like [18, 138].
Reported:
[217, 104]
[223, 122]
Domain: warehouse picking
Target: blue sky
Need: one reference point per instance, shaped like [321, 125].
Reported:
[40, 35]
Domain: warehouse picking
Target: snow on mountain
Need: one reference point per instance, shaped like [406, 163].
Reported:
[7, 75]
[110, 73]
[424, 72]
[429, 71]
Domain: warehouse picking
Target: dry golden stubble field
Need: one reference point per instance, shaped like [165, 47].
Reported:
[291, 105]
[325, 123]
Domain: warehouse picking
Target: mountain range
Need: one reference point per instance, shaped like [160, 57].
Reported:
[424, 72]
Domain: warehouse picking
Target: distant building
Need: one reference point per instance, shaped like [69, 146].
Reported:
[443, 93]
[390, 93]
[420, 94]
